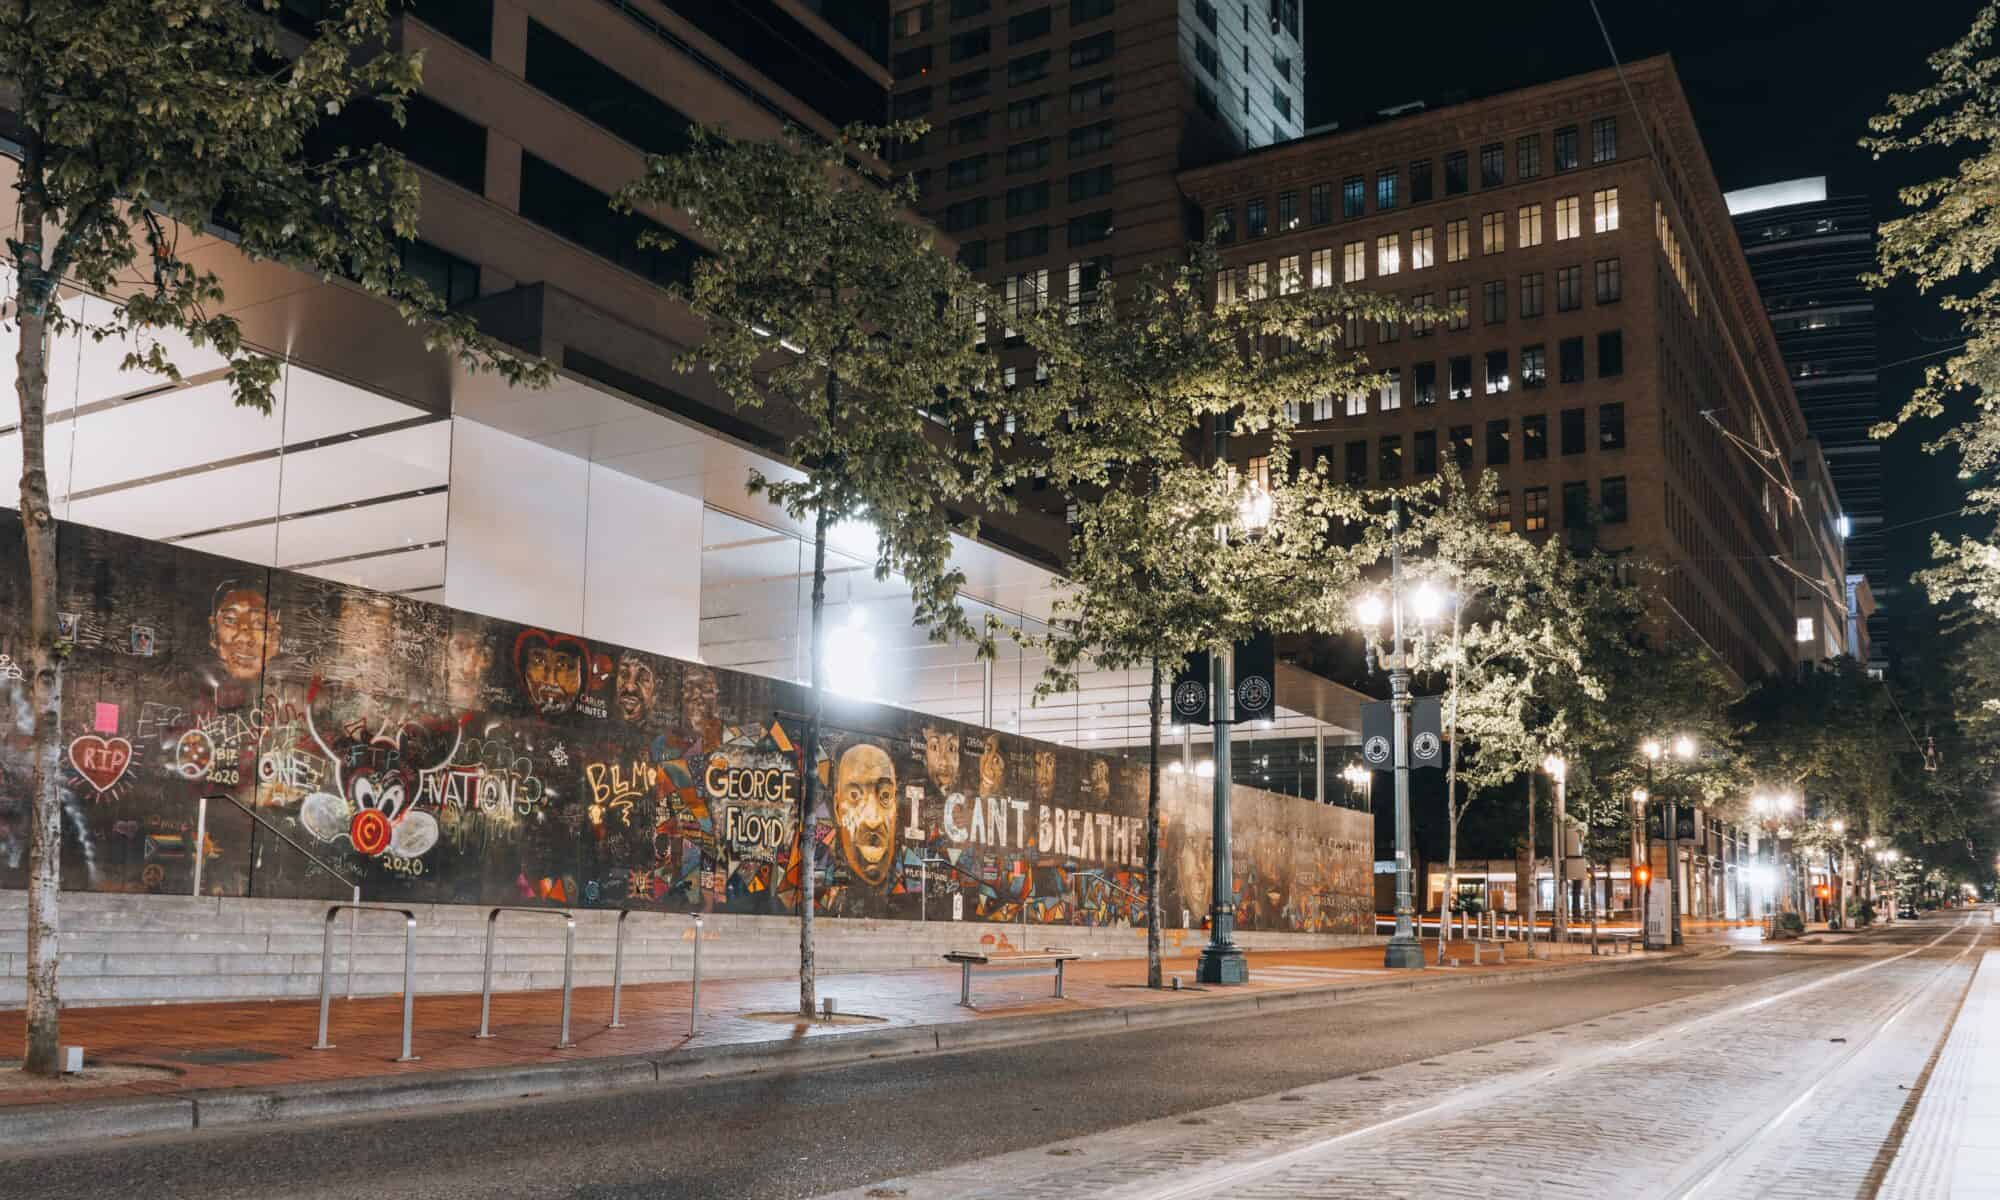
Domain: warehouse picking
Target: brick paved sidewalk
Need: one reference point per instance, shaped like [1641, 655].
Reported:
[265, 1044]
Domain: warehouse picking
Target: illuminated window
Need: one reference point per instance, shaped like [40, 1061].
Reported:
[1354, 264]
[1259, 285]
[1496, 372]
[1530, 231]
[1322, 268]
[1420, 248]
[1500, 517]
[1288, 274]
[1457, 240]
[1535, 509]
[1534, 366]
[1227, 285]
[1357, 404]
[1604, 209]
[1493, 233]
[1323, 408]
[1388, 254]
[1392, 389]
[1569, 222]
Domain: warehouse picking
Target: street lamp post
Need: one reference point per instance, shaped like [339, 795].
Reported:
[1559, 848]
[1683, 749]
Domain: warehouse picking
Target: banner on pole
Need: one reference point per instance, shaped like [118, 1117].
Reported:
[1378, 733]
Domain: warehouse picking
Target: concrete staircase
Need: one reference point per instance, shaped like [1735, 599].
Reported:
[147, 949]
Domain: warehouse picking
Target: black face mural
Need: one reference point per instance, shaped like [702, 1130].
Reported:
[449, 758]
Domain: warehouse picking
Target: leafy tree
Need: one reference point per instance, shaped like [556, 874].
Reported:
[1168, 555]
[825, 299]
[139, 121]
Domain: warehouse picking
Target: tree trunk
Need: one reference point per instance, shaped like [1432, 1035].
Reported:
[42, 665]
[1153, 832]
[808, 827]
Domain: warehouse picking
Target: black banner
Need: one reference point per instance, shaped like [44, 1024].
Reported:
[1378, 733]
[1257, 678]
[1187, 703]
[1684, 830]
[1427, 733]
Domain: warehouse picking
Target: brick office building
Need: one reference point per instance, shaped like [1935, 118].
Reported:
[1603, 308]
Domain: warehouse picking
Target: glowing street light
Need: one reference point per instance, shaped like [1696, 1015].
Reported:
[1653, 750]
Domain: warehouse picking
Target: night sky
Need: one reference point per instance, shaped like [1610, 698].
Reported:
[1780, 89]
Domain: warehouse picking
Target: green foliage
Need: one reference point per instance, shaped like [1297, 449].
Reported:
[1831, 736]
[825, 300]
[142, 119]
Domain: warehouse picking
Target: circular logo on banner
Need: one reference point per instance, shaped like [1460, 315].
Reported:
[1190, 698]
[1426, 745]
[1254, 694]
[1376, 749]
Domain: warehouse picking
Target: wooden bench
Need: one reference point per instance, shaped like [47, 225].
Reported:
[968, 959]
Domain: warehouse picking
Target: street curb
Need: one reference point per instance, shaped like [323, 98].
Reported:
[39, 1126]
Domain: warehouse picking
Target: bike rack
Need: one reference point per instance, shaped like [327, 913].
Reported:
[409, 970]
[569, 966]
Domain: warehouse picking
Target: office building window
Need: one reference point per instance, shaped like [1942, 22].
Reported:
[1357, 463]
[1323, 408]
[1090, 228]
[1027, 156]
[912, 104]
[1492, 164]
[1389, 331]
[1422, 322]
[1385, 189]
[961, 9]
[1492, 233]
[1529, 232]
[1353, 196]
[912, 21]
[1288, 275]
[1460, 382]
[1390, 466]
[1566, 148]
[1084, 280]
[1420, 248]
[1457, 240]
[972, 255]
[1603, 139]
[965, 214]
[1610, 287]
[908, 64]
[1610, 353]
[1028, 68]
[965, 172]
[1424, 384]
[1258, 282]
[1496, 372]
[1029, 113]
[1461, 446]
[1256, 219]
[1456, 299]
[1454, 173]
[1353, 332]
[1204, 53]
[1568, 218]
[1534, 437]
[1611, 427]
[1534, 509]
[1531, 294]
[1357, 403]
[1088, 52]
[1425, 456]
[1205, 11]
[1569, 288]
[1228, 285]
[1576, 504]
[1089, 184]
[1091, 95]
[1572, 431]
[1499, 442]
[1354, 262]
[1027, 243]
[1500, 514]
[1089, 10]
[1388, 254]
[968, 129]
[970, 86]
[1392, 389]
[1225, 225]
[1027, 198]
[970, 44]
[1569, 360]
[1028, 26]
[1493, 300]
[1534, 366]
[1420, 181]
[1288, 211]
[1604, 209]
[1319, 203]
[1528, 156]
[1322, 268]
[1616, 507]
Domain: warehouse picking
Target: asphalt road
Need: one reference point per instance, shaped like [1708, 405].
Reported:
[814, 1132]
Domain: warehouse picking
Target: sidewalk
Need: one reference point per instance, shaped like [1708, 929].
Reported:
[1952, 1145]
[231, 1057]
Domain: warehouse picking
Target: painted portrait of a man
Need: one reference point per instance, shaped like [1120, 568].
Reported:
[467, 658]
[1045, 775]
[636, 686]
[550, 669]
[242, 630]
[701, 708]
[864, 810]
[992, 768]
[1100, 781]
[941, 757]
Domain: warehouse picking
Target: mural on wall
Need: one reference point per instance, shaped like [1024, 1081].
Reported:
[445, 757]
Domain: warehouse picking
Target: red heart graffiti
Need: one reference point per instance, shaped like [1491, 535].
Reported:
[101, 761]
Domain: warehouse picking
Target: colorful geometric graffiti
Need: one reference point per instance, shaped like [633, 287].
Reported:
[442, 756]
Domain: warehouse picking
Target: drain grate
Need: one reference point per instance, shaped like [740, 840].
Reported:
[227, 1056]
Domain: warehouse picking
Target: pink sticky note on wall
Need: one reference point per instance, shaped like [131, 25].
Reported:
[107, 718]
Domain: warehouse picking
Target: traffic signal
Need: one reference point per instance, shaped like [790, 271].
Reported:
[1645, 876]
[1825, 892]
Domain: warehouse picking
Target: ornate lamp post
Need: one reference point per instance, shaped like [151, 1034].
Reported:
[1427, 604]
[1558, 772]
[1774, 815]
[1683, 749]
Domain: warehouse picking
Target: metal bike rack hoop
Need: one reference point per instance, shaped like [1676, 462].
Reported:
[409, 970]
[569, 966]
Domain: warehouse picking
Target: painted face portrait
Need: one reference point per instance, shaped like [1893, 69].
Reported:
[1100, 781]
[864, 808]
[1045, 775]
[941, 758]
[467, 659]
[992, 769]
[243, 631]
[636, 686]
[701, 707]
[550, 669]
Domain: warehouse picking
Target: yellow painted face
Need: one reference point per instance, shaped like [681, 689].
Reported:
[992, 769]
[864, 809]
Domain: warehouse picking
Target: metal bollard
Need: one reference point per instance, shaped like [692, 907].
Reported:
[618, 970]
[694, 1000]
